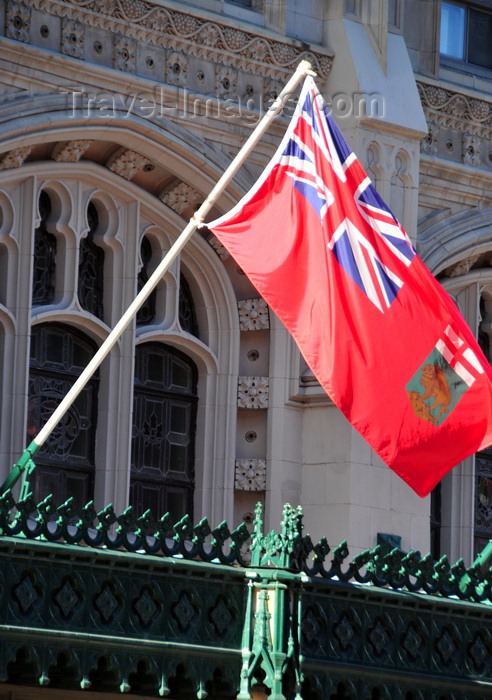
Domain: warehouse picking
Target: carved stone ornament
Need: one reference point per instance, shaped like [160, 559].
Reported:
[218, 247]
[215, 41]
[225, 81]
[252, 392]
[70, 151]
[250, 475]
[253, 315]
[462, 267]
[125, 54]
[18, 21]
[14, 158]
[128, 163]
[181, 198]
[471, 149]
[177, 68]
[73, 38]
[430, 142]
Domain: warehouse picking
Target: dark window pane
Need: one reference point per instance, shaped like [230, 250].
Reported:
[178, 458]
[91, 268]
[146, 312]
[81, 356]
[480, 39]
[163, 430]
[179, 418]
[43, 282]
[65, 463]
[435, 522]
[177, 503]
[187, 314]
[62, 485]
[156, 368]
[144, 496]
[54, 348]
[180, 375]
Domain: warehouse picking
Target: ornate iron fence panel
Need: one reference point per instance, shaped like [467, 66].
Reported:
[118, 604]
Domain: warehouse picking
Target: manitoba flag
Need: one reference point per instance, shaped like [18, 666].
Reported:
[380, 334]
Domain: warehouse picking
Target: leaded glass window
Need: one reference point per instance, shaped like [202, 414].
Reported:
[65, 463]
[91, 268]
[146, 313]
[43, 283]
[164, 417]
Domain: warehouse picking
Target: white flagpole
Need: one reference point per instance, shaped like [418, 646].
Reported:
[303, 69]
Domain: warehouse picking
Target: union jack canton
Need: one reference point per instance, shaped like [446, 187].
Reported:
[363, 234]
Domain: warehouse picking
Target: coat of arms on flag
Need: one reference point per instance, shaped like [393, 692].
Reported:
[444, 376]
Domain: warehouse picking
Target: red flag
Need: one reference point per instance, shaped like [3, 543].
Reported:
[380, 334]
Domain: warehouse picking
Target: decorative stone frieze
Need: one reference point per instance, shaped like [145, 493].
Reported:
[253, 315]
[221, 251]
[250, 475]
[14, 158]
[453, 109]
[214, 41]
[70, 151]
[181, 198]
[461, 118]
[18, 21]
[128, 163]
[252, 392]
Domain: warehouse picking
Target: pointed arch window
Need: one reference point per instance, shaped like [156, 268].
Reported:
[164, 421]
[91, 268]
[146, 313]
[65, 463]
[187, 313]
[43, 283]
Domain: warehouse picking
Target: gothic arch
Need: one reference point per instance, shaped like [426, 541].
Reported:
[50, 121]
[445, 239]
[133, 205]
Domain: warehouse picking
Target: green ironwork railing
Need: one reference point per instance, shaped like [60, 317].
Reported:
[143, 605]
[287, 549]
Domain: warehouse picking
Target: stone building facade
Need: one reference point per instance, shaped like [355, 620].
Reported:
[116, 120]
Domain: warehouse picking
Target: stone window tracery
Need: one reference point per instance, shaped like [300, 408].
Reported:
[87, 231]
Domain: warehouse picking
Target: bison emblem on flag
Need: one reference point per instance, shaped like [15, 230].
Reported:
[451, 369]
